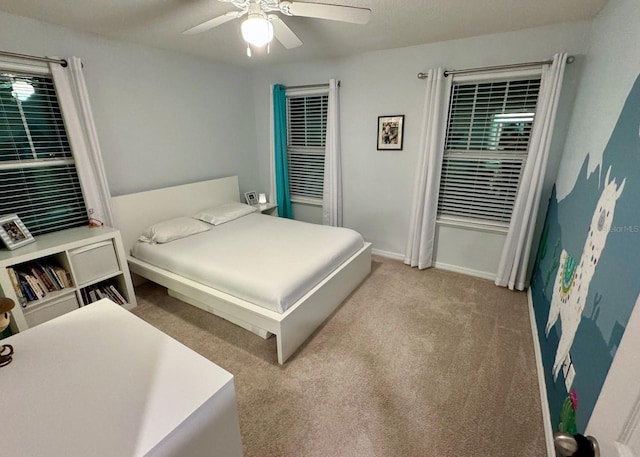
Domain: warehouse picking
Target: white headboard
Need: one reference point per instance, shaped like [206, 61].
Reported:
[135, 212]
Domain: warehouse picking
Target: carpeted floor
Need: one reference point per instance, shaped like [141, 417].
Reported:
[414, 363]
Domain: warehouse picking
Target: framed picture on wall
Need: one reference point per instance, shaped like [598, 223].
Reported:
[390, 132]
[13, 232]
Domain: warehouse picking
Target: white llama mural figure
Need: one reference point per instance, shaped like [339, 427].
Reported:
[572, 281]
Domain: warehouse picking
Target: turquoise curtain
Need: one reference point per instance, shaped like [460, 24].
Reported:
[280, 147]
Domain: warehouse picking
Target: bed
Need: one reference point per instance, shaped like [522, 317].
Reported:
[289, 298]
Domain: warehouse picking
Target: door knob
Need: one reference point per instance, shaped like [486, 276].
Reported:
[576, 445]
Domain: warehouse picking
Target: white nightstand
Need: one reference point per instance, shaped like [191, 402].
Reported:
[268, 208]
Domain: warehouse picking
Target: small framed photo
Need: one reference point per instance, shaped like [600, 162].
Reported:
[13, 232]
[390, 132]
[251, 198]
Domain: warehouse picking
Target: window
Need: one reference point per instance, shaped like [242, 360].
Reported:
[486, 149]
[306, 139]
[38, 179]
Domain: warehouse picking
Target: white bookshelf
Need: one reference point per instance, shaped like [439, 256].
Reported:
[93, 257]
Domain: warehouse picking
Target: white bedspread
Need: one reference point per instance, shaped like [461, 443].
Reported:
[265, 260]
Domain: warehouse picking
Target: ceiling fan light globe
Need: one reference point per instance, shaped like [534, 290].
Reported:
[257, 30]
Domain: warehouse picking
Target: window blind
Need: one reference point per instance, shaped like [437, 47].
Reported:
[306, 139]
[38, 178]
[486, 145]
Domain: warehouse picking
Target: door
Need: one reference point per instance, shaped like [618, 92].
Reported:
[615, 421]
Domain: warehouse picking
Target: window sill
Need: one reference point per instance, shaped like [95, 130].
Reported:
[473, 224]
[307, 201]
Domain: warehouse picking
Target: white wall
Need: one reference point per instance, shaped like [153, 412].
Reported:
[466, 251]
[163, 118]
[378, 185]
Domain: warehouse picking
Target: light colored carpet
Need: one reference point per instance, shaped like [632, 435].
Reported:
[414, 363]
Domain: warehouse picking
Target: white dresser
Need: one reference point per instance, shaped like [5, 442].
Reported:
[99, 381]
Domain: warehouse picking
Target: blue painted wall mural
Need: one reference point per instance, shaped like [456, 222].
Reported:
[585, 282]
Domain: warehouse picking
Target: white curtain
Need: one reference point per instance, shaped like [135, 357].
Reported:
[512, 269]
[422, 226]
[81, 130]
[332, 186]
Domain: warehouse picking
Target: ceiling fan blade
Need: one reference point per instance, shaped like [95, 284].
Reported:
[211, 23]
[283, 33]
[324, 11]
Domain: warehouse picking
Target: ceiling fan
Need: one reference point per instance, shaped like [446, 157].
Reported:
[260, 26]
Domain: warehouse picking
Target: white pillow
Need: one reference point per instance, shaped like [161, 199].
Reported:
[173, 229]
[225, 213]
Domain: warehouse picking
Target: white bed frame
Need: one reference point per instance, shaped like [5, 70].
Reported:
[135, 212]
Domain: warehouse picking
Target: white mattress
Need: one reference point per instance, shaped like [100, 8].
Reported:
[269, 261]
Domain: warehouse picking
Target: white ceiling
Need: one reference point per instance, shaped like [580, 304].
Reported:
[394, 23]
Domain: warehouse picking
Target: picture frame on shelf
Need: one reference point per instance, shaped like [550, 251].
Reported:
[390, 132]
[251, 198]
[13, 232]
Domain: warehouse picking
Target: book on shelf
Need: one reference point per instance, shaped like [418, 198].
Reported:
[63, 276]
[15, 282]
[48, 270]
[43, 281]
[34, 280]
[111, 296]
[35, 286]
[96, 292]
[28, 292]
[119, 298]
[85, 296]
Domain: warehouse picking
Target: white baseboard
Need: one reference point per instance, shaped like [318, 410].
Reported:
[443, 266]
[467, 271]
[387, 254]
[544, 399]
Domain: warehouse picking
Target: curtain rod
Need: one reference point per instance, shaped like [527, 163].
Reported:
[36, 58]
[570, 59]
[311, 86]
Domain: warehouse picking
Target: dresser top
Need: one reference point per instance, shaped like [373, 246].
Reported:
[100, 381]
